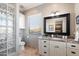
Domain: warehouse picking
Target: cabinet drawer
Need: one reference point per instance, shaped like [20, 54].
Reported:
[44, 47]
[43, 42]
[44, 52]
[72, 52]
[74, 46]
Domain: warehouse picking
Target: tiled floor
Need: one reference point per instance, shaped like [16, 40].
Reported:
[29, 51]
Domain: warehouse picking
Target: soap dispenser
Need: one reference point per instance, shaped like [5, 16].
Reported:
[52, 35]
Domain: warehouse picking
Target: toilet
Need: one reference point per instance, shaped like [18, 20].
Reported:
[21, 44]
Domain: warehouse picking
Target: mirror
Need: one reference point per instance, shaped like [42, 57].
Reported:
[59, 24]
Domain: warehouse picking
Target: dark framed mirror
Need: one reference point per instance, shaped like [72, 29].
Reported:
[59, 24]
[77, 19]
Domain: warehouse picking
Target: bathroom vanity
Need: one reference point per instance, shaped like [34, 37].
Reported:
[58, 47]
[58, 25]
[52, 47]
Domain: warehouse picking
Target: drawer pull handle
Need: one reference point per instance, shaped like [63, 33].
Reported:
[56, 46]
[73, 52]
[73, 46]
[44, 41]
[45, 46]
[45, 52]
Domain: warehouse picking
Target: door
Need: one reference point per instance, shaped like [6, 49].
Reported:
[7, 30]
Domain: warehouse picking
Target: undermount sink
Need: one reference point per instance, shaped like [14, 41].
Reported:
[57, 38]
[53, 38]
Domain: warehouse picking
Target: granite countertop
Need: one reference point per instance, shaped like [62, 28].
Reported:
[68, 40]
[73, 41]
[53, 39]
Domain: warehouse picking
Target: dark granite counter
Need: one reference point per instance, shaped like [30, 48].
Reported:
[68, 40]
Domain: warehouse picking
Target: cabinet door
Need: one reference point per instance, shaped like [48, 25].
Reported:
[57, 48]
[52, 50]
[60, 49]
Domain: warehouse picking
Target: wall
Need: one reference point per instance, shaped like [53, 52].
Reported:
[35, 25]
[76, 14]
[46, 9]
[21, 21]
[76, 9]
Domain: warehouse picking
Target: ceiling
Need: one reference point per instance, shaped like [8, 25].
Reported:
[26, 6]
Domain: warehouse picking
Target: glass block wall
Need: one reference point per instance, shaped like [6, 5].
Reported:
[7, 29]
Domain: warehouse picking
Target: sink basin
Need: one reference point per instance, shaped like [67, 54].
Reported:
[58, 39]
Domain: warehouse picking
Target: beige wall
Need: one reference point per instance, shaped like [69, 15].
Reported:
[46, 9]
[77, 9]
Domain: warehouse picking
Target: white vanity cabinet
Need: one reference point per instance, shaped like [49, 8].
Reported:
[72, 49]
[52, 48]
[44, 47]
[57, 48]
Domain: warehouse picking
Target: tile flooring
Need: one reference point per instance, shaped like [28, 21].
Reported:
[29, 51]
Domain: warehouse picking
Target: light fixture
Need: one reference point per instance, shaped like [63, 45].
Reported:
[54, 13]
[57, 13]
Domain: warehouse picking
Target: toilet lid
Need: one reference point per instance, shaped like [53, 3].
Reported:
[22, 43]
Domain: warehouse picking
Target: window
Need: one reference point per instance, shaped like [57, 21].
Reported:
[35, 24]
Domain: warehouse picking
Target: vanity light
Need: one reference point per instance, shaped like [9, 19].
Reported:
[58, 13]
[54, 13]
